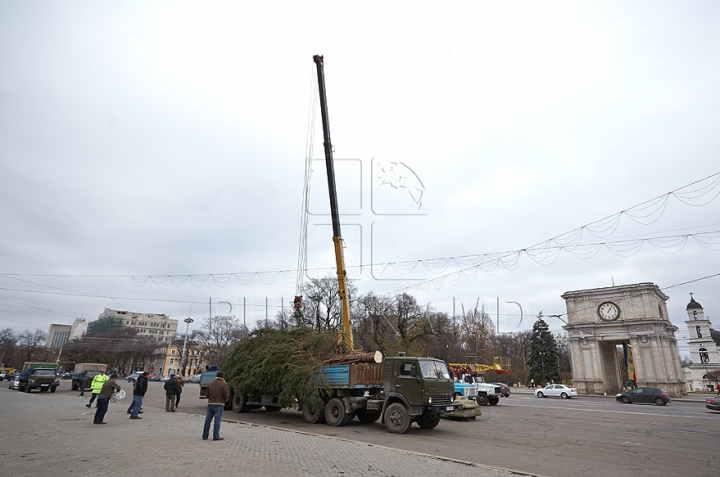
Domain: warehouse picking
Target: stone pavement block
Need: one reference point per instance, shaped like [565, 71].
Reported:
[45, 433]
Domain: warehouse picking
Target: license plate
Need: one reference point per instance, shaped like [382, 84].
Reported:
[449, 408]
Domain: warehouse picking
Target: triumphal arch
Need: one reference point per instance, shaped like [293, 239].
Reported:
[619, 334]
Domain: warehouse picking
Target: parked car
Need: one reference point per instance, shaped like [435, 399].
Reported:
[194, 379]
[557, 390]
[15, 383]
[713, 403]
[504, 388]
[133, 377]
[155, 377]
[67, 375]
[644, 395]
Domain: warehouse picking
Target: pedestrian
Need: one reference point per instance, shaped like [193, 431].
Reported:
[106, 393]
[217, 394]
[96, 386]
[139, 390]
[171, 391]
[718, 389]
[84, 381]
[181, 383]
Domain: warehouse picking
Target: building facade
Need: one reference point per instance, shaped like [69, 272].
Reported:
[154, 326]
[704, 347]
[169, 360]
[58, 335]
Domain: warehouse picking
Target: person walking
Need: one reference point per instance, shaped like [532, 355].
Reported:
[181, 383]
[96, 386]
[139, 390]
[106, 393]
[84, 381]
[218, 392]
[171, 391]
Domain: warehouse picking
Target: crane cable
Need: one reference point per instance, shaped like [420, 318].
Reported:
[310, 144]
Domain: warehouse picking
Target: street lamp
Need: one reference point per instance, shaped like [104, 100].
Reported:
[183, 357]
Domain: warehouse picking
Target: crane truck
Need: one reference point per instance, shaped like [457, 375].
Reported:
[397, 390]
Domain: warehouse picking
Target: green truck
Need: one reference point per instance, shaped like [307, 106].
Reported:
[398, 391]
[42, 376]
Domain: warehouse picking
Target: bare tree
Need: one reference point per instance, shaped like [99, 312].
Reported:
[322, 307]
[8, 345]
[218, 336]
[30, 343]
[477, 331]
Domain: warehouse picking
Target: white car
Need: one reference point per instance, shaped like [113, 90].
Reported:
[559, 390]
[15, 383]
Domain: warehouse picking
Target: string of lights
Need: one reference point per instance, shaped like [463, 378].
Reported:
[696, 194]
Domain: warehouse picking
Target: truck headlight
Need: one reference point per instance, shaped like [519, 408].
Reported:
[429, 400]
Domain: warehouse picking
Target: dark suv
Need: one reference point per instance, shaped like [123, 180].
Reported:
[644, 395]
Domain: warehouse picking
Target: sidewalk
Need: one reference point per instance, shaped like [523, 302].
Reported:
[44, 433]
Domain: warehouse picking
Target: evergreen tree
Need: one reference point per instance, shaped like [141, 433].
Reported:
[543, 360]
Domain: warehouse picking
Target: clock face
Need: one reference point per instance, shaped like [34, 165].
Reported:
[608, 311]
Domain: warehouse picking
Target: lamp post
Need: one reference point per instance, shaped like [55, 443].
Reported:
[183, 357]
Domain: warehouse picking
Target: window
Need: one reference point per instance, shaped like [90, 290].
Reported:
[407, 369]
[434, 369]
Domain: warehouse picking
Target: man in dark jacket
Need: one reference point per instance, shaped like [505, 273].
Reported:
[218, 392]
[109, 387]
[171, 392]
[84, 382]
[141, 385]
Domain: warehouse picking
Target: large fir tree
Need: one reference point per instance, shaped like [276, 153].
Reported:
[543, 360]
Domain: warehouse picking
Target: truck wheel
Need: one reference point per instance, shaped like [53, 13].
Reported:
[52, 389]
[482, 399]
[312, 415]
[27, 388]
[429, 422]
[74, 386]
[397, 419]
[367, 417]
[335, 413]
[239, 403]
[494, 400]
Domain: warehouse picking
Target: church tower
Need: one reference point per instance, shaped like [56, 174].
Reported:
[703, 346]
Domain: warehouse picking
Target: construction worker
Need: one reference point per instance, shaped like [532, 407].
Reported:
[96, 386]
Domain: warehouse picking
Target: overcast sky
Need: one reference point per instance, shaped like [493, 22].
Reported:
[142, 140]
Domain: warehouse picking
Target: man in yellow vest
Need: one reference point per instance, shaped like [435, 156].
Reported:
[96, 386]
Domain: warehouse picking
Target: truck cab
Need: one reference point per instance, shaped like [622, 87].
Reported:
[485, 393]
[416, 390]
[42, 376]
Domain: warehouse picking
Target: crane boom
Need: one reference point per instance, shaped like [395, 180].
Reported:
[346, 334]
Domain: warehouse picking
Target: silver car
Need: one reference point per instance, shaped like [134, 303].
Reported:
[15, 383]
